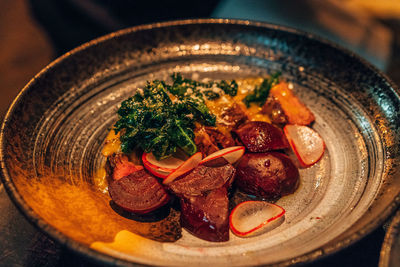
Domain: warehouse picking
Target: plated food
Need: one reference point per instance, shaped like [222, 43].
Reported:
[202, 142]
[53, 134]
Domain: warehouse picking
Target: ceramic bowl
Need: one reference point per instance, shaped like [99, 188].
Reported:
[53, 133]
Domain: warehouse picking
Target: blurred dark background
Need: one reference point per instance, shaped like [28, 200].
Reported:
[34, 32]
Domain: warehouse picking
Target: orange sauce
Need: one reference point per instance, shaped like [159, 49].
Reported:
[245, 86]
[112, 144]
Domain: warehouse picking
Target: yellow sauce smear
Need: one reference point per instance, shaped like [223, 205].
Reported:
[127, 244]
[245, 86]
[112, 144]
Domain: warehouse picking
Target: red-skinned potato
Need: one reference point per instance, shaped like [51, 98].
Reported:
[261, 136]
[268, 175]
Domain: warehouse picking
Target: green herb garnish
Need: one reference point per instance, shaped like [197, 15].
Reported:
[261, 92]
[211, 90]
[161, 118]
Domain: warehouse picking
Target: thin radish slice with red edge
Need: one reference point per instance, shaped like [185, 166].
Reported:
[252, 218]
[157, 173]
[230, 154]
[185, 167]
[306, 143]
[160, 168]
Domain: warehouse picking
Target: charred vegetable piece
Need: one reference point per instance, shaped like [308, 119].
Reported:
[222, 140]
[295, 111]
[261, 92]
[215, 162]
[273, 109]
[204, 200]
[232, 116]
[207, 216]
[204, 142]
[267, 175]
[260, 136]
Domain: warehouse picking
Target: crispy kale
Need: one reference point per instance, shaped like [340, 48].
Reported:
[260, 93]
[230, 88]
[157, 122]
[180, 87]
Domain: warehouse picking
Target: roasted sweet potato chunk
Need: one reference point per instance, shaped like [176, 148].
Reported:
[295, 111]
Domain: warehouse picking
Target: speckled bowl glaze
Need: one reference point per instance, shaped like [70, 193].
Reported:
[390, 252]
[53, 133]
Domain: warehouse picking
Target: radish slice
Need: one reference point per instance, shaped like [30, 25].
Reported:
[230, 154]
[185, 167]
[306, 143]
[157, 173]
[160, 168]
[252, 218]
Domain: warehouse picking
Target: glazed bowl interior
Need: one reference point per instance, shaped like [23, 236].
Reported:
[53, 134]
